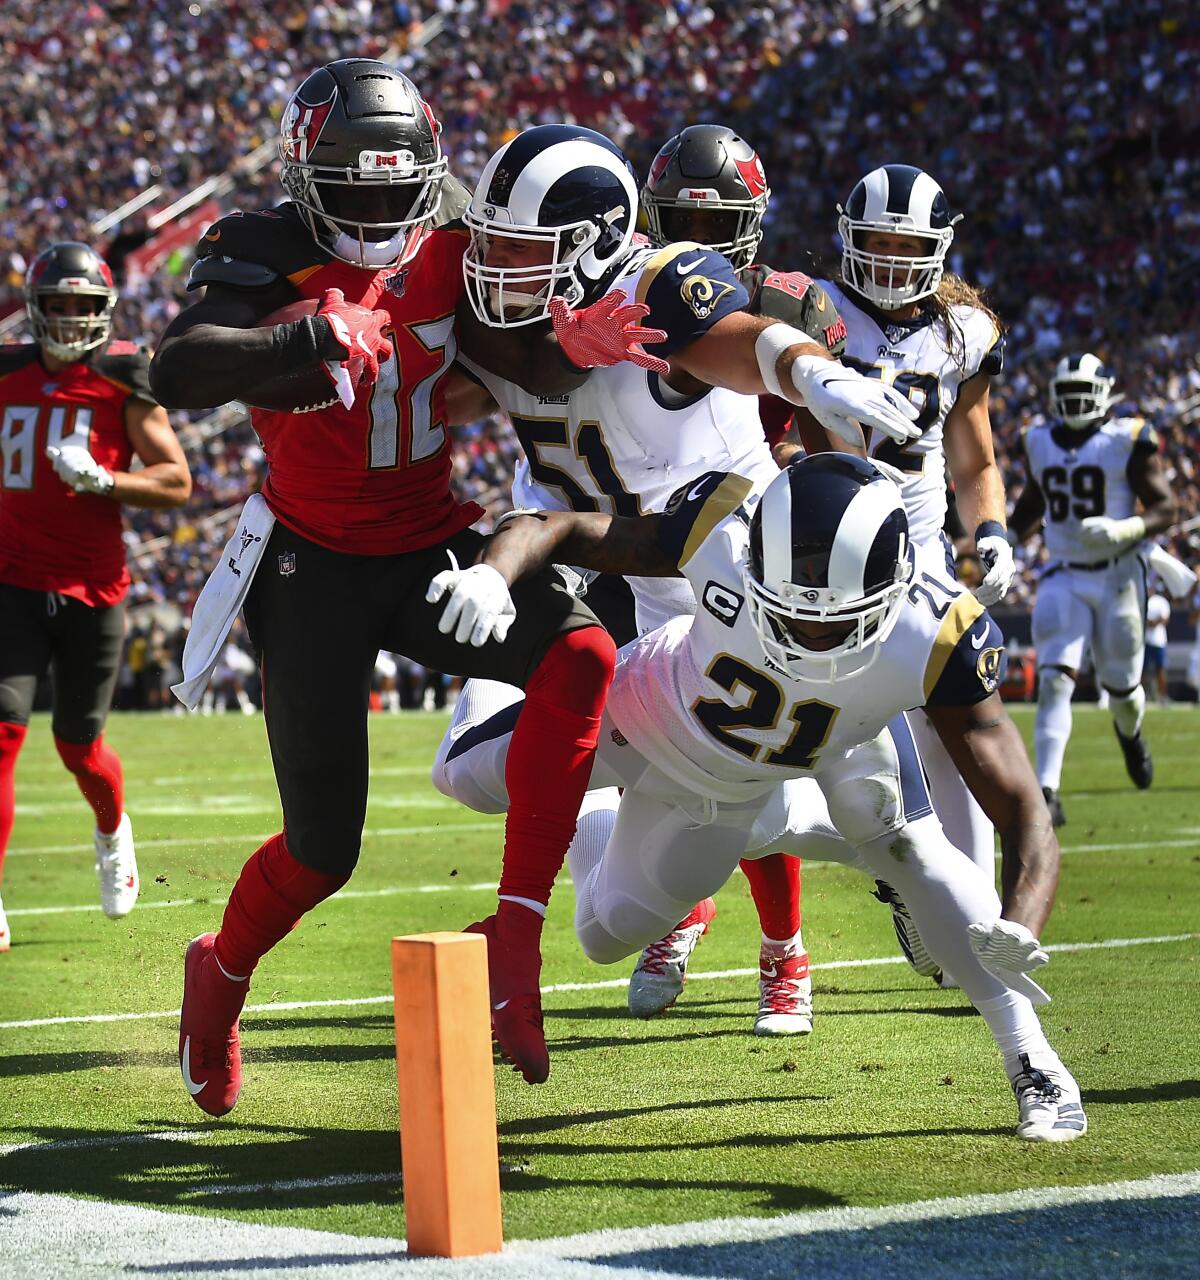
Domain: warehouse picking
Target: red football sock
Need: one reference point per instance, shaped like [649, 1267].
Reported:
[97, 769]
[775, 886]
[550, 759]
[271, 894]
[11, 737]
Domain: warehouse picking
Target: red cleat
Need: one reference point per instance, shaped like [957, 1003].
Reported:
[210, 1057]
[514, 971]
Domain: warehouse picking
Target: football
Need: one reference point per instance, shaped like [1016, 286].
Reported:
[304, 390]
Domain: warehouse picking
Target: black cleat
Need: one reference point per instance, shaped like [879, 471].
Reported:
[1057, 817]
[1138, 762]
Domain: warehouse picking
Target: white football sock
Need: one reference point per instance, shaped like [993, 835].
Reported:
[1015, 1027]
[791, 946]
[597, 817]
[1127, 711]
[1052, 728]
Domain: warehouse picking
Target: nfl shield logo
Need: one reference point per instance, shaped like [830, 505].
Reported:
[396, 284]
[894, 333]
[287, 564]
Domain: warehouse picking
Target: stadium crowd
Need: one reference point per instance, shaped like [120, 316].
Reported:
[1065, 131]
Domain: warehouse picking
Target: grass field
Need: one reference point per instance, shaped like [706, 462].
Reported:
[897, 1097]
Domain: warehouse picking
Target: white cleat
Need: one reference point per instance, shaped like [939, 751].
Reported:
[1049, 1102]
[116, 869]
[661, 971]
[784, 993]
[5, 936]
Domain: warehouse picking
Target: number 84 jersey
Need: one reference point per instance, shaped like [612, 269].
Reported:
[697, 698]
[1082, 474]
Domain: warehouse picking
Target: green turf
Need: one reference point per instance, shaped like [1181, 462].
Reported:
[898, 1094]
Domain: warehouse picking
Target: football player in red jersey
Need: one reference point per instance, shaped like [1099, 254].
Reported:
[76, 408]
[365, 530]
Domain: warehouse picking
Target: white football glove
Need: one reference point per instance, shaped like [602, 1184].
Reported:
[1008, 951]
[1102, 533]
[79, 470]
[1177, 577]
[840, 398]
[479, 603]
[999, 567]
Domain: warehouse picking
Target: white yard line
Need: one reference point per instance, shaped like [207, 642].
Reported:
[238, 837]
[611, 983]
[391, 891]
[112, 1140]
[56, 1236]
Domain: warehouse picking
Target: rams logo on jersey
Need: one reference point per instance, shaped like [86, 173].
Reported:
[988, 668]
[703, 294]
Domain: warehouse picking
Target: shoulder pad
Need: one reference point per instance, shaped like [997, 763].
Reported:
[253, 250]
[688, 288]
[798, 300]
[1142, 433]
[127, 366]
[695, 509]
[16, 356]
[966, 662]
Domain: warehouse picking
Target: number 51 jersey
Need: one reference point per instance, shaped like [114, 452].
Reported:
[1082, 474]
[698, 699]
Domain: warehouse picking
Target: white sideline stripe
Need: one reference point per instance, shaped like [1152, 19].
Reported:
[112, 1140]
[713, 975]
[59, 1236]
[240, 807]
[390, 892]
[198, 842]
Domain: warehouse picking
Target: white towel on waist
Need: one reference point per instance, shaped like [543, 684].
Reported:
[221, 599]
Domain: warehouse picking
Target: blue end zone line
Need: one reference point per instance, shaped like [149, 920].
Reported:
[611, 983]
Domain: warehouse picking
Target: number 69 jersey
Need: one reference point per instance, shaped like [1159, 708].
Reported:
[913, 356]
[1082, 474]
[699, 700]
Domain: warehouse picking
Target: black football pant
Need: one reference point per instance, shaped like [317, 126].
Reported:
[81, 645]
[317, 619]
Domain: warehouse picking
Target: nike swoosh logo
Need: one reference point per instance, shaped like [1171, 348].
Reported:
[977, 643]
[764, 972]
[129, 883]
[212, 235]
[502, 1005]
[684, 267]
[185, 1065]
[697, 491]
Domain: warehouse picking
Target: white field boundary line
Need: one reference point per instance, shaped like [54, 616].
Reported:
[57, 1234]
[611, 983]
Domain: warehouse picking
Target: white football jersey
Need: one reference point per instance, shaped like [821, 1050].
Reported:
[913, 357]
[623, 442]
[698, 699]
[1082, 474]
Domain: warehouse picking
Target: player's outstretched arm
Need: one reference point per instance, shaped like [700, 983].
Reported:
[610, 544]
[988, 751]
[758, 356]
[212, 352]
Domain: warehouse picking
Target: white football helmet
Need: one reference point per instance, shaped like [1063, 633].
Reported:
[1081, 391]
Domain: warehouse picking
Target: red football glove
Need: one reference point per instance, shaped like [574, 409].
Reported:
[365, 336]
[606, 333]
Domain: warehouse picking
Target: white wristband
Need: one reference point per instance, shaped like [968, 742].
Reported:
[770, 344]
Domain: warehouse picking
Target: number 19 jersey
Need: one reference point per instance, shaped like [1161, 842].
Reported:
[914, 357]
[1082, 474]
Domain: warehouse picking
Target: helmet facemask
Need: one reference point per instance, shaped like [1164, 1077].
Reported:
[372, 215]
[71, 337]
[510, 297]
[1082, 402]
[737, 223]
[892, 281]
[872, 617]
